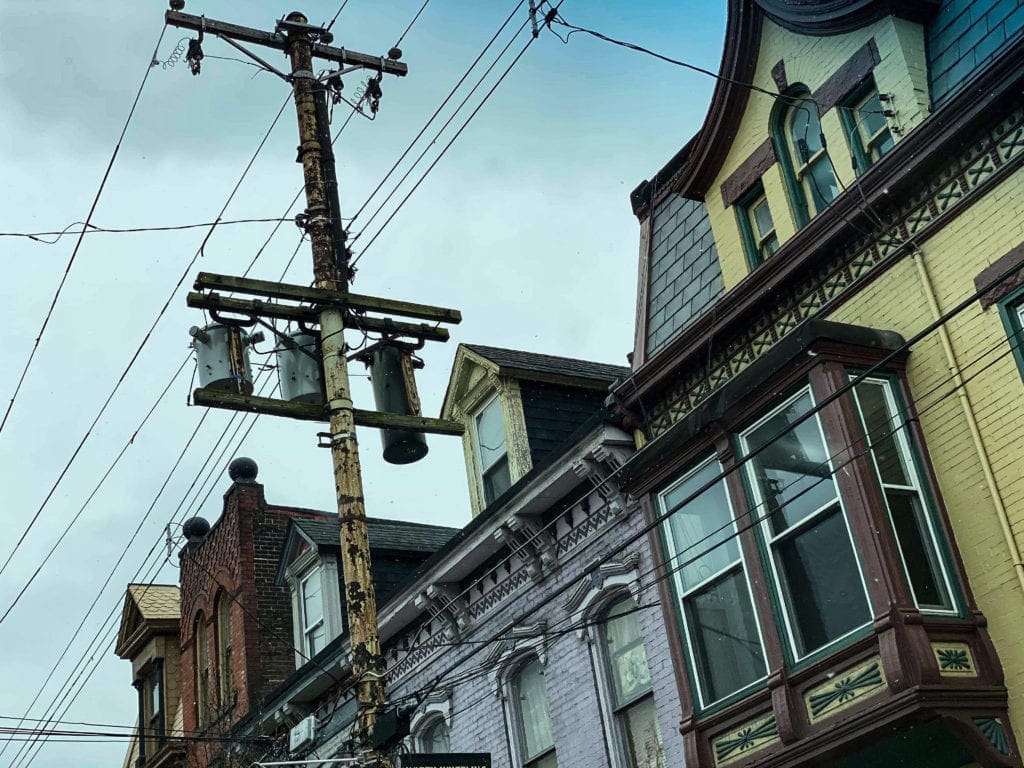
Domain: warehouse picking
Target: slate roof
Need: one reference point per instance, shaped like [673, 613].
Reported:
[156, 601]
[384, 534]
[563, 366]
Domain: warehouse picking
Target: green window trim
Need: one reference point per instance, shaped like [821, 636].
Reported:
[756, 245]
[1010, 309]
[848, 109]
[799, 97]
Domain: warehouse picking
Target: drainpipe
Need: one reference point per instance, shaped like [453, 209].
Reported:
[972, 425]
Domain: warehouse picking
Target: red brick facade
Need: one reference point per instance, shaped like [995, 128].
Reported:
[239, 556]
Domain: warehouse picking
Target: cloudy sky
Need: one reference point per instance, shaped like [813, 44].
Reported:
[524, 225]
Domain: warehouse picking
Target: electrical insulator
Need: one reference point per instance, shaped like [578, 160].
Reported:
[298, 367]
[222, 354]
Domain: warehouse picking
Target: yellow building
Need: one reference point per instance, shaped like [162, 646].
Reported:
[827, 390]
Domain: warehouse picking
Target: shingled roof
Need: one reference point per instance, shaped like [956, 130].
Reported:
[156, 601]
[396, 535]
[517, 360]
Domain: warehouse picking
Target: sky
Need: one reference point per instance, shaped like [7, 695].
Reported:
[524, 225]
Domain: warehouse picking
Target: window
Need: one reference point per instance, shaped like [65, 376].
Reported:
[1012, 311]
[491, 450]
[529, 712]
[631, 697]
[806, 165]
[223, 632]
[757, 226]
[435, 737]
[811, 553]
[151, 710]
[202, 682]
[314, 631]
[867, 129]
[723, 641]
[913, 527]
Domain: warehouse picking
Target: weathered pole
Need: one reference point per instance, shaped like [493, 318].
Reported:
[330, 267]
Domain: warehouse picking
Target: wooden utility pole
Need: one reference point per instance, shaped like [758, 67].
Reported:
[330, 271]
[334, 309]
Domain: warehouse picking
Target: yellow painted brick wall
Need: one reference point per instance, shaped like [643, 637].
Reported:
[811, 61]
[896, 301]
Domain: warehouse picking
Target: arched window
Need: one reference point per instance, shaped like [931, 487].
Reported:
[434, 737]
[800, 146]
[223, 632]
[202, 671]
[629, 677]
[531, 716]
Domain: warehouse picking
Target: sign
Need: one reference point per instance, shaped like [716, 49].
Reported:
[448, 760]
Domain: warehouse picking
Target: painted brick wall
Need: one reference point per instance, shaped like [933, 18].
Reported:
[967, 34]
[477, 711]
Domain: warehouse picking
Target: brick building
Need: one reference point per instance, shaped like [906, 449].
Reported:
[826, 389]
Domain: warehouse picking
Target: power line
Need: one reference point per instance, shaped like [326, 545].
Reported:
[437, 111]
[447, 146]
[93, 229]
[88, 218]
[145, 339]
[718, 477]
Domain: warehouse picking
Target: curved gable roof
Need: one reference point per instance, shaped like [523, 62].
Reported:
[691, 172]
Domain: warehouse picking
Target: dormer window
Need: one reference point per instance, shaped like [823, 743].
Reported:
[867, 129]
[800, 145]
[757, 226]
[314, 630]
[491, 450]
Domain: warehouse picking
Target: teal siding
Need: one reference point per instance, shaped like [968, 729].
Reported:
[964, 36]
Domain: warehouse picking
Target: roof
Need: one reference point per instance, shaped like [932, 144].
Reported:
[384, 534]
[550, 364]
[156, 601]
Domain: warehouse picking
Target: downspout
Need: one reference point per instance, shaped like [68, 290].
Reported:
[972, 425]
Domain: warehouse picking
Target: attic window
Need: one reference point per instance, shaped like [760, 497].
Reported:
[492, 451]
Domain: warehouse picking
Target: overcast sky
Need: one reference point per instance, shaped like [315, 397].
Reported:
[524, 225]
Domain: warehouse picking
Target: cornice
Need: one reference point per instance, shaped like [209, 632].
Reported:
[834, 17]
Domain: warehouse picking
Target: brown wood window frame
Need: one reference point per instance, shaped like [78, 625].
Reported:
[826, 368]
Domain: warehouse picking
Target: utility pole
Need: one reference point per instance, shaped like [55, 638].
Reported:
[334, 309]
[330, 271]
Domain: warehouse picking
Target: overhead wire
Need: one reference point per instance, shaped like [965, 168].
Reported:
[93, 229]
[78, 244]
[138, 351]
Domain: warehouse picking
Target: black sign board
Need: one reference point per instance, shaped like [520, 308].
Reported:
[448, 760]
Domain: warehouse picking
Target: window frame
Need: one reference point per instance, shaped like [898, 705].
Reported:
[1011, 312]
[680, 593]
[493, 400]
[425, 728]
[615, 710]
[849, 108]
[201, 654]
[766, 539]
[305, 628]
[909, 454]
[516, 720]
[753, 242]
[781, 117]
[222, 635]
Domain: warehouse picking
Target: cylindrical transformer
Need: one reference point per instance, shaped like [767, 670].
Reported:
[394, 391]
[298, 367]
[222, 352]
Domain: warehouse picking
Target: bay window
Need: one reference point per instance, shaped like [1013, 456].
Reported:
[803, 503]
[811, 553]
[717, 613]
